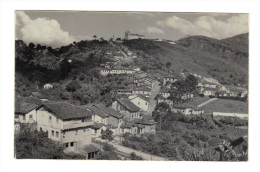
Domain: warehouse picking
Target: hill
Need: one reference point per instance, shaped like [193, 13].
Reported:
[35, 65]
[219, 59]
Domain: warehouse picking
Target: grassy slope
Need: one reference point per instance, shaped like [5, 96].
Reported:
[194, 102]
[223, 105]
[212, 60]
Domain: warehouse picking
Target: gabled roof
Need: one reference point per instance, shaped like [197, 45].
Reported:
[127, 125]
[22, 107]
[103, 111]
[26, 104]
[142, 89]
[90, 148]
[141, 97]
[66, 110]
[96, 125]
[96, 110]
[126, 103]
[144, 122]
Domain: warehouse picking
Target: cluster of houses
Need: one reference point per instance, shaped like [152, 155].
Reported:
[214, 90]
[74, 126]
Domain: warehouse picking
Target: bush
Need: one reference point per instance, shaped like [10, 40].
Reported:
[107, 134]
[133, 156]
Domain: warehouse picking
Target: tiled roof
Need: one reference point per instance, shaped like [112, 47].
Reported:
[127, 125]
[144, 121]
[142, 89]
[112, 112]
[126, 103]
[67, 111]
[90, 148]
[31, 100]
[103, 111]
[96, 110]
[78, 125]
[21, 107]
[142, 97]
[96, 125]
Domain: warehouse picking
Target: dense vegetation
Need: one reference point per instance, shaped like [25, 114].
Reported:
[179, 137]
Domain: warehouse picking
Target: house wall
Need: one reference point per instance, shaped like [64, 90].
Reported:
[46, 124]
[113, 121]
[149, 129]
[75, 135]
[31, 116]
[99, 119]
[19, 117]
[142, 104]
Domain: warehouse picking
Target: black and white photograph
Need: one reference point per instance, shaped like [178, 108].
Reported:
[153, 86]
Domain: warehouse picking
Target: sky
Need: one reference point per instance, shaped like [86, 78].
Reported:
[58, 28]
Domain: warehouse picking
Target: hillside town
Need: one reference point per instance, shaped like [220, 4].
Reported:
[76, 126]
[130, 92]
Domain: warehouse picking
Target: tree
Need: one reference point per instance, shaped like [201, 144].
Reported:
[31, 45]
[191, 82]
[73, 86]
[168, 65]
[160, 112]
[133, 156]
[107, 134]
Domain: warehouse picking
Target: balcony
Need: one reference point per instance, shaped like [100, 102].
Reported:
[78, 125]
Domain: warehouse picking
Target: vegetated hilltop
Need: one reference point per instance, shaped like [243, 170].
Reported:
[224, 60]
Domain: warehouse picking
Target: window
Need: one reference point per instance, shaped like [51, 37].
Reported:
[84, 130]
[49, 118]
[30, 116]
[146, 103]
[66, 145]
[76, 132]
[23, 117]
[52, 133]
[138, 103]
[71, 144]
[16, 116]
[57, 134]
[95, 131]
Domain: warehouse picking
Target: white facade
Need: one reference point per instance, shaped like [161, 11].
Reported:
[67, 132]
[115, 71]
[47, 86]
[139, 102]
[29, 117]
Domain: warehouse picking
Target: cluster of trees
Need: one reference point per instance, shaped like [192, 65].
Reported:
[180, 137]
[107, 152]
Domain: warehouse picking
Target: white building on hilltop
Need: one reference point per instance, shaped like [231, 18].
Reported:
[129, 36]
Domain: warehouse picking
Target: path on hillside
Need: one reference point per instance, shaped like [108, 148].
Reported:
[155, 91]
[206, 102]
[128, 151]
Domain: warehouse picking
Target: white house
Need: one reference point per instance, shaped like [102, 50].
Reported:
[65, 123]
[47, 86]
[141, 101]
